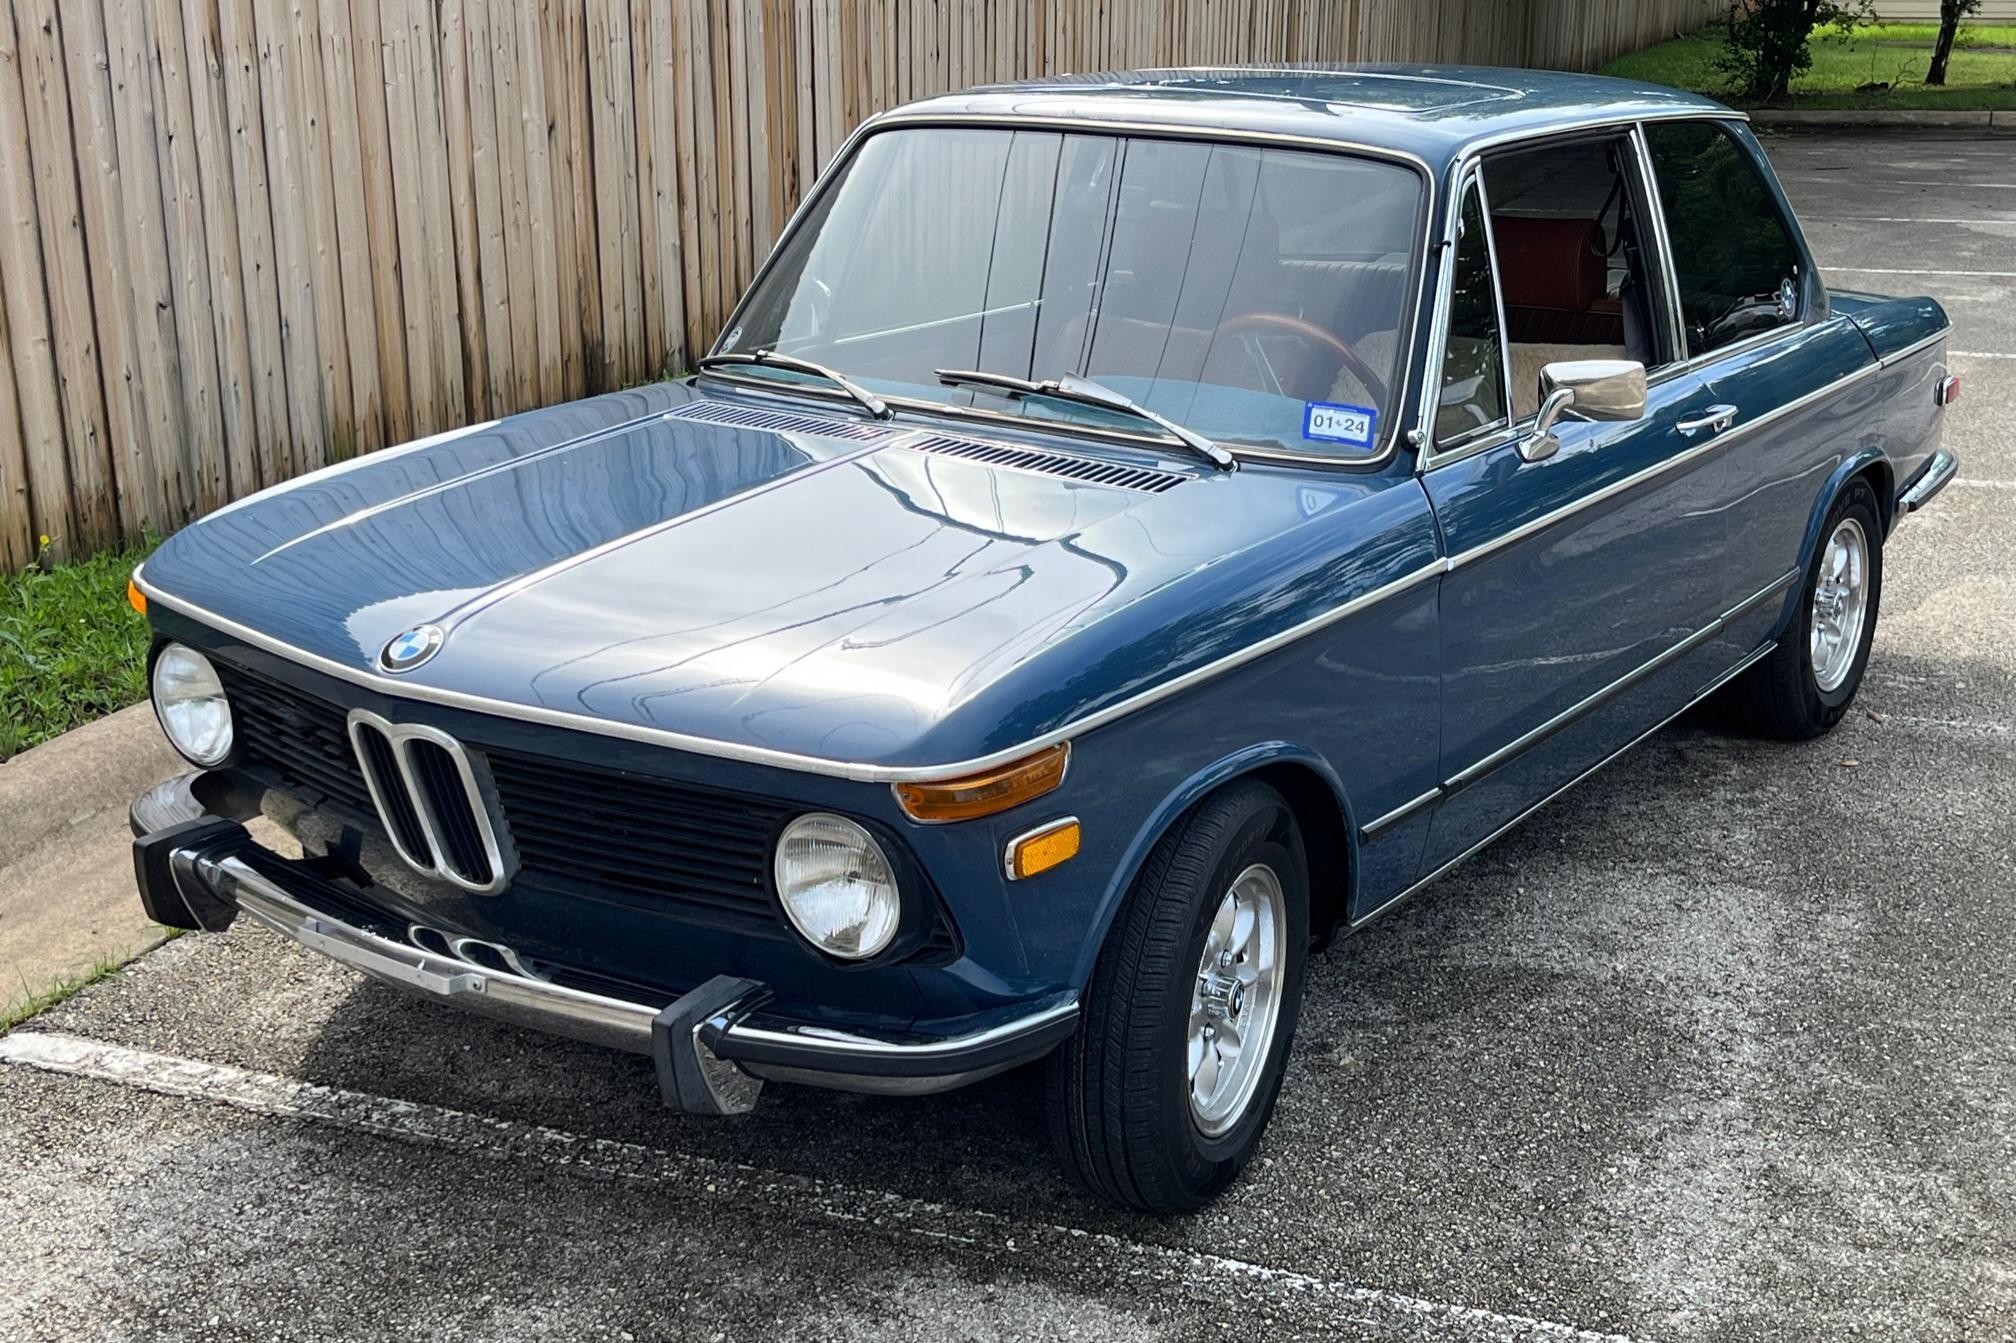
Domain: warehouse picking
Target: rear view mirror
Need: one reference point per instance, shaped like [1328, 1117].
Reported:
[1594, 389]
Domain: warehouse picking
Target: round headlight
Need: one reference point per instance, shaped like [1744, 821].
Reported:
[837, 886]
[189, 701]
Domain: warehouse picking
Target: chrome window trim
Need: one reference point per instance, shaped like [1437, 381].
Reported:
[1662, 258]
[1405, 339]
[437, 866]
[1794, 233]
[1471, 161]
[406, 688]
[1485, 435]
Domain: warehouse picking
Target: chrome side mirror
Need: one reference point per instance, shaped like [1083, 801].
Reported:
[1595, 389]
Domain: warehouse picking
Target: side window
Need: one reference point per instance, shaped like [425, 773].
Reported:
[1473, 378]
[1733, 254]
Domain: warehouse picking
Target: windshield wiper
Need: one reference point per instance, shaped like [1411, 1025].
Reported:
[868, 401]
[1086, 392]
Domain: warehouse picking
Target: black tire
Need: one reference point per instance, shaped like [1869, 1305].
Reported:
[1119, 1089]
[1781, 696]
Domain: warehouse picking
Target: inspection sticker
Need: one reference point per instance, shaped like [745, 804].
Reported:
[1339, 424]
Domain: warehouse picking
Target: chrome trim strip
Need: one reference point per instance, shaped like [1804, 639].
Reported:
[1505, 754]
[1034, 832]
[1938, 473]
[1485, 842]
[615, 1022]
[1750, 660]
[1673, 463]
[1400, 813]
[843, 1047]
[399, 736]
[408, 689]
[1898, 356]
[901, 117]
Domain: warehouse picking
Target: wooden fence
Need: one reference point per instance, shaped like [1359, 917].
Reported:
[243, 238]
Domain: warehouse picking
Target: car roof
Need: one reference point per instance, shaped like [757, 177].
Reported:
[1433, 112]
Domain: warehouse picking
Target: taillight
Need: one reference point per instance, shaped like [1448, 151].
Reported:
[1948, 391]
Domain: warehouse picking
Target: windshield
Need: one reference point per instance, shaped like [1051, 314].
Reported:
[1254, 295]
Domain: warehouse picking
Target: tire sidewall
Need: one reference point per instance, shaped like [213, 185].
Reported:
[1266, 834]
[1859, 502]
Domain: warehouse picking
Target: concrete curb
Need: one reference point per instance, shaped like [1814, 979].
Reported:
[66, 866]
[1994, 123]
[45, 790]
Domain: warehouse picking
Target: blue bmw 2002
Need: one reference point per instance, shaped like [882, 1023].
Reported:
[1133, 526]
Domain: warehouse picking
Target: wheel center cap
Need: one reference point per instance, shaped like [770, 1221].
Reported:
[1224, 997]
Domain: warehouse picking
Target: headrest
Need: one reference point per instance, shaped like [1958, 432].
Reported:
[1550, 263]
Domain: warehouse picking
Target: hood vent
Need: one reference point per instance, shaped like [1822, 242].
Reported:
[1042, 461]
[785, 421]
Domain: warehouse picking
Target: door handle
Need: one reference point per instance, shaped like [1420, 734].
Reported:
[1716, 418]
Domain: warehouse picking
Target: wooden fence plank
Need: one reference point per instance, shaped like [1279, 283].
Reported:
[31, 337]
[136, 439]
[381, 224]
[212, 426]
[17, 530]
[515, 220]
[238, 385]
[86, 442]
[444, 352]
[535, 117]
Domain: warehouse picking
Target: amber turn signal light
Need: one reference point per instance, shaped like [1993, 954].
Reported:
[1043, 848]
[136, 597]
[987, 792]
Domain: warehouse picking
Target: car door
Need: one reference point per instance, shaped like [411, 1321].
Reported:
[1578, 583]
[1756, 326]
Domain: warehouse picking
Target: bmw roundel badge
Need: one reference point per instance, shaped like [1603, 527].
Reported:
[406, 651]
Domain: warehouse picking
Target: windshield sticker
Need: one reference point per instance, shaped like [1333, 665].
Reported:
[1339, 424]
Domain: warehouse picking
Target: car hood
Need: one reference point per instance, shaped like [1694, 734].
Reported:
[792, 581]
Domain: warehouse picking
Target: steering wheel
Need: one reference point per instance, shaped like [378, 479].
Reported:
[1314, 337]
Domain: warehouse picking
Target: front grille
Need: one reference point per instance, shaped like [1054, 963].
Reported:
[294, 743]
[452, 808]
[581, 831]
[604, 832]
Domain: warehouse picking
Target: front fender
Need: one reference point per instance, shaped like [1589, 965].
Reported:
[1179, 800]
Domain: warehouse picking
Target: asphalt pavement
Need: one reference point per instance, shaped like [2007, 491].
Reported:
[1720, 1046]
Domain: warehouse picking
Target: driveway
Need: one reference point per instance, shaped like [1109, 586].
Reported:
[1720, 1046]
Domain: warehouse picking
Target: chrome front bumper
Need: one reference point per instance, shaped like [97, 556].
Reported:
[713, 1046]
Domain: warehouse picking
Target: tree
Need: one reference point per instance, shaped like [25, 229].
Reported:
[1950, 14]
[1768, 41]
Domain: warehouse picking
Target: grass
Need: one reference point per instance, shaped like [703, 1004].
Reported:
[71, 649]
[1981, 75]
[40, 1001]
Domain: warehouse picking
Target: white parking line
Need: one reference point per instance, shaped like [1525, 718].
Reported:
[1986, 484]
[1979, 354]
[602, 1158]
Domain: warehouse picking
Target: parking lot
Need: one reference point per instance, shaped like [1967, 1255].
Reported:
[1720, 1046]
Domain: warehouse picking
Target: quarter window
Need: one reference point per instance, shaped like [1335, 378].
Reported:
[1473, 361]
[1733, 255]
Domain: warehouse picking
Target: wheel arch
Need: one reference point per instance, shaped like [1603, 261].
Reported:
[1311, 788]
[1869, 464]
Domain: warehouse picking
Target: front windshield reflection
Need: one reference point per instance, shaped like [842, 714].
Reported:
[1256, 295]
